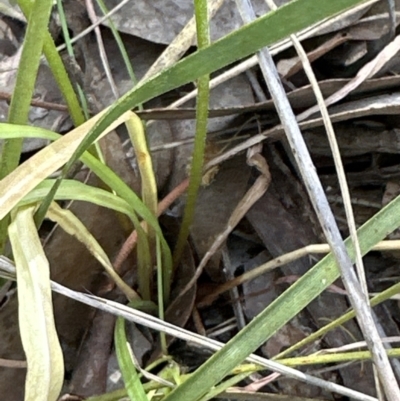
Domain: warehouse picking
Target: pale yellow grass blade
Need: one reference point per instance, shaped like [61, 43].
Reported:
[73, 226]
[29, 174]
[45, 372]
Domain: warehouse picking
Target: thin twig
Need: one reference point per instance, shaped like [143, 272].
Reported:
[164, 204]
[95, 24]
[252, 195]
[37, 103]
[12, 363]
[102, 50]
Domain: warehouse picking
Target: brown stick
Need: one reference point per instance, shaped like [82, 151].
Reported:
[164, 204]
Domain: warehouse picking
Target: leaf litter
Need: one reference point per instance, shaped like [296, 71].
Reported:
[281, 221]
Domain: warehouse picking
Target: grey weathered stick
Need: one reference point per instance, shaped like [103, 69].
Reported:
[324, 213]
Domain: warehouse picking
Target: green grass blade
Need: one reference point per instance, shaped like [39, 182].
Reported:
[23, 91]
[203, 40]
[266, 30]
[78, 191]
[11, 131]
[57, 68]
[383, 296]
[133, 385]
[64, 28]
[161, 291]
[44, 206]
[61, 76]
[121, 189]
[284, 308]
[225, 385]
[337, 357]
[28, 68]
[63, 81]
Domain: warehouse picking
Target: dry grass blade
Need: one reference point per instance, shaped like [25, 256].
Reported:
[368, 71]
[29, 174]
[102, 51]
[180, 44]
[281, 261]
[252, 196]
[45, 373]
[73, 226]
[336, 155]
[344, 188]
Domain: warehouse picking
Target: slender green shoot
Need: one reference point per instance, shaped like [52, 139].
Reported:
[383, 296]
[57, 68]
[220, 388]
[133, 385]
[23, 92]
[203, 40]
[160, 294]
[337, 357]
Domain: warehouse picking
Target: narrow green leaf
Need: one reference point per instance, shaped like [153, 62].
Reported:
[75, 190]
[66, 88]
[243, 42]
[133, 385]
[376, 300]
[23, 91]
[284, 308]
[120, 44]
[59, 72]
[196, 168]
[337, 357]
[12, 131]
[25, 81]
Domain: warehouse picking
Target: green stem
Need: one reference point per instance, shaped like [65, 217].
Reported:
[23, 92]
[203, 40]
